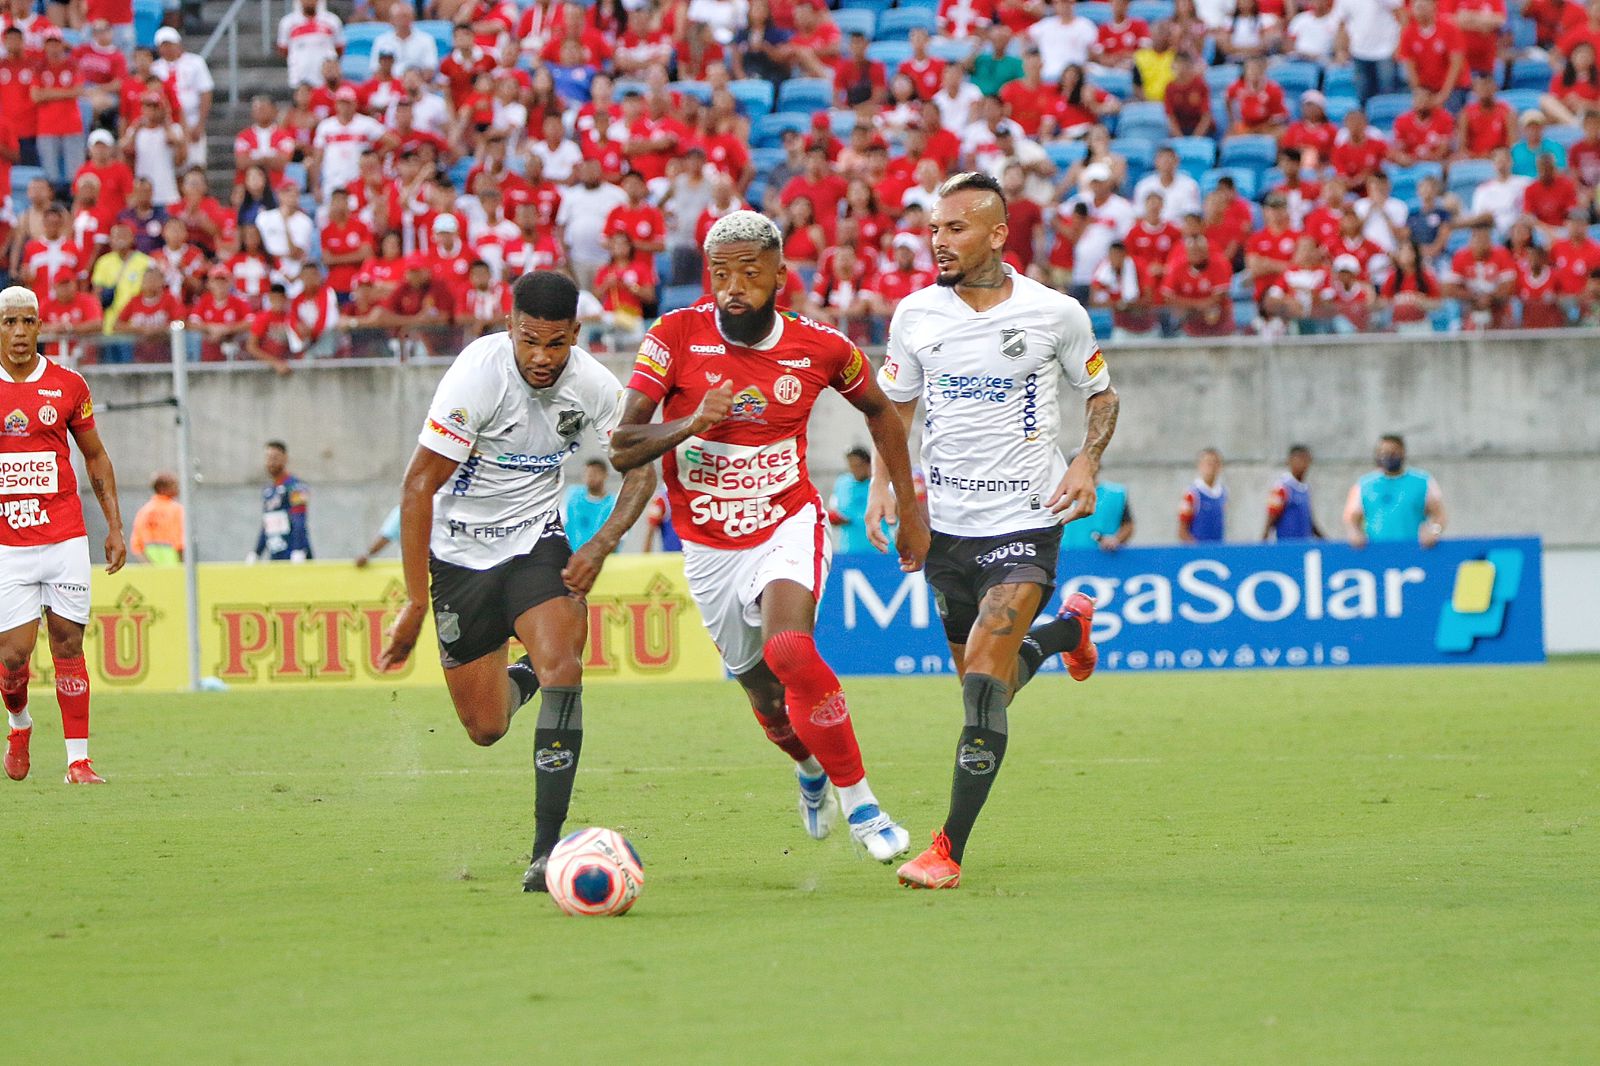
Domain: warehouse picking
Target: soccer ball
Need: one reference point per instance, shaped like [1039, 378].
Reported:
[594, 871]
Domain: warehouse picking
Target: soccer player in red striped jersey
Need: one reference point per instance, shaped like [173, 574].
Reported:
[44, 547]
[737, 380]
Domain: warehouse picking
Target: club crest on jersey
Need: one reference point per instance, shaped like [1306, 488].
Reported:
[458, 415]
[16, 423]
[787, 389]
[749, 404]
[1013, 343]
[569, 422]
[47, 415]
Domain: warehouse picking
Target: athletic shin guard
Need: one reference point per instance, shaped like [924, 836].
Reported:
[817, 710]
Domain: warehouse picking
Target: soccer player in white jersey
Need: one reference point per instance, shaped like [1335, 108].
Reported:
[984, 350]
[478, 514]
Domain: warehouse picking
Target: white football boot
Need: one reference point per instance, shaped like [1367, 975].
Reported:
[819, 804]
[884, 838]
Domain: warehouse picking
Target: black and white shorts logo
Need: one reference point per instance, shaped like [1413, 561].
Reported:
[553, 760]
[1013, 343]
[975, 760]
[449, 626]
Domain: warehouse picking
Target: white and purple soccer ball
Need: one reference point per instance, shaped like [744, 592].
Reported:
[594, 872]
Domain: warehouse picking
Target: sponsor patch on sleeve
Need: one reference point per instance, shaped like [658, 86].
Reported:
[653, 357]
[852, 367]
[87, 409]
[1094, 364]
[439, 429]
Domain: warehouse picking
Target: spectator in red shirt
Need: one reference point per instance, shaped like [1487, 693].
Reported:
[1188, 100]
[638, 219]
[841, 294]
[1539, 292]
[147, 316]
[1487, 121]
[1120, 286]
[1255, 102]
[1575, 256]
[1270, 250]
[1483, 276]
[59, 119]
[68, 312]
[268, 337]
[1587, 30]
[103, 65]
[1410, 292]
[803, 238]
[421, 304]
[818, 184]
[1480, 23]
[815, 44]
[1550, 198]
[1312, 132]
[1574, 88]
[1152, 241]
[855, 71]
[1196, 287]
[924, 70]
[1358, 152]
[347, 243]
[902, 277]
[1424, 134]
[1120, 37]
[1433, 55]
[219, 316]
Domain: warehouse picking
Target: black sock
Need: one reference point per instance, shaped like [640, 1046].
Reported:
[983, 745]
[557, 740]
[527, 682]
[1052, 638]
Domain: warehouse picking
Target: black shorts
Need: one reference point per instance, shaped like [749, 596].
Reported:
[475, 611]
[962, 569]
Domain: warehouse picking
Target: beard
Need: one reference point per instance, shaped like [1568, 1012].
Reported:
[749, 327]
[949, 281]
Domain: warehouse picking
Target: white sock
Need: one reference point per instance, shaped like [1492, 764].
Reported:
[810, 766]
[21, 720]
[77, 749]
[854, 796]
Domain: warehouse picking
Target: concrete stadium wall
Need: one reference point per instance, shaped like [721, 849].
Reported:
[1511, 429]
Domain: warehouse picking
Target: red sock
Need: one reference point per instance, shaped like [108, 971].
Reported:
[817, 710]
[14, 688]
[781, 733]
[72, 693]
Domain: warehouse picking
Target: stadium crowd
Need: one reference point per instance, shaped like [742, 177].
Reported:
[1186, 167]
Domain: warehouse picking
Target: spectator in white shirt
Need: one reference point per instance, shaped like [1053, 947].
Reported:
[1498, 201]
[559, 155]
[1063, 39]
[429, 112]
[308, 35]
[582, 219]
[724, 18]
[1314, 33]
[158, 146]
[1110, 218]
[1383, 217]
[288, 234]
[956, 99]
[413, 50]
[1180, 194]
[190, 78]
[339, 141]
[1370, 34]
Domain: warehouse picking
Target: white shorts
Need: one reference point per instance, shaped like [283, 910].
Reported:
[44, 575]
[727, 583]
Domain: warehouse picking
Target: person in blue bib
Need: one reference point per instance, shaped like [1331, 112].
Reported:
[1394, 504]
[1111, 525]
[586, 507]
[847, 506]
[1289, 514]
[1203, 516]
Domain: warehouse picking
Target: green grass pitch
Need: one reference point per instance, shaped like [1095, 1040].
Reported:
[1389, 867]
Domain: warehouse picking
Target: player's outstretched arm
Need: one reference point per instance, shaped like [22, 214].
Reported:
[103, 479]
[887, 425]
[637, 441]
[1074, 497]
[880, 500]
[638, 487]
[426, 473]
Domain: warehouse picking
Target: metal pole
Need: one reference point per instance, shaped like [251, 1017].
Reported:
[233, 62]
[266, 30]
[187, 482]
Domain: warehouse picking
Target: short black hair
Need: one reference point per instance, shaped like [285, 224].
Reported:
[277, 288]
[601, 463]
[973, 181]
[1392, 438]
[278, 444]
[1299, 449]
[858, 452]
[545, 295]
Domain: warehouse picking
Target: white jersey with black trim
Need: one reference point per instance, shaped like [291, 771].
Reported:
[988, 381]
[511, 440]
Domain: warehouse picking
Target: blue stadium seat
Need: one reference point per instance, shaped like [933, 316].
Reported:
[355, 67]
[1295, 76]
[442, 32]
[1404, 180]
[931, 5]
[1340, 106]
[767, 131]
[697, 89]
[841, 123]
[1338, 81]
[1065, 153]
[1269, 179]
[1100, 322]
[360, 37]
[890, 53]
[623, 86]
[1384, 109]
[874, 6]
[1244, 180]
[1219, 77]
[1143, 118]
[949, 49]
[1565, 136]
[1138, 152]
[20, 176]
[765, 159]
[1118, 83]
[1255, 151]
[1152, 11]
[1524, 34]
[1196, 155]
[675, 296]
[805, 94]
[755, 193]
[147, 18]
[1244, 315]
[1099, 14]
[855, 20]
[1447, 319]
[897, 23]
[296, 172]
[1522, 100]
[1594, 233]
[1530, 74]
[1457, 240]
[1243, 287]
[753, 95]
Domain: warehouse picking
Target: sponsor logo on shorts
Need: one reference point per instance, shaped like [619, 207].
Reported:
[449, 624]
[976, 760]
[787, 389]
[1014, 550]
[67, 586]
[28, 474]
[24, 514]
[831, 711]
[72, 686]
[16, 423]
[1013, 343]
[553, 760]
[47, 415]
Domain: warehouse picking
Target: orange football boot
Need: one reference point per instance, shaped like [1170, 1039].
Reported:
[934, 868]
[81, 773]
[1080, 661]
[17, 753]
